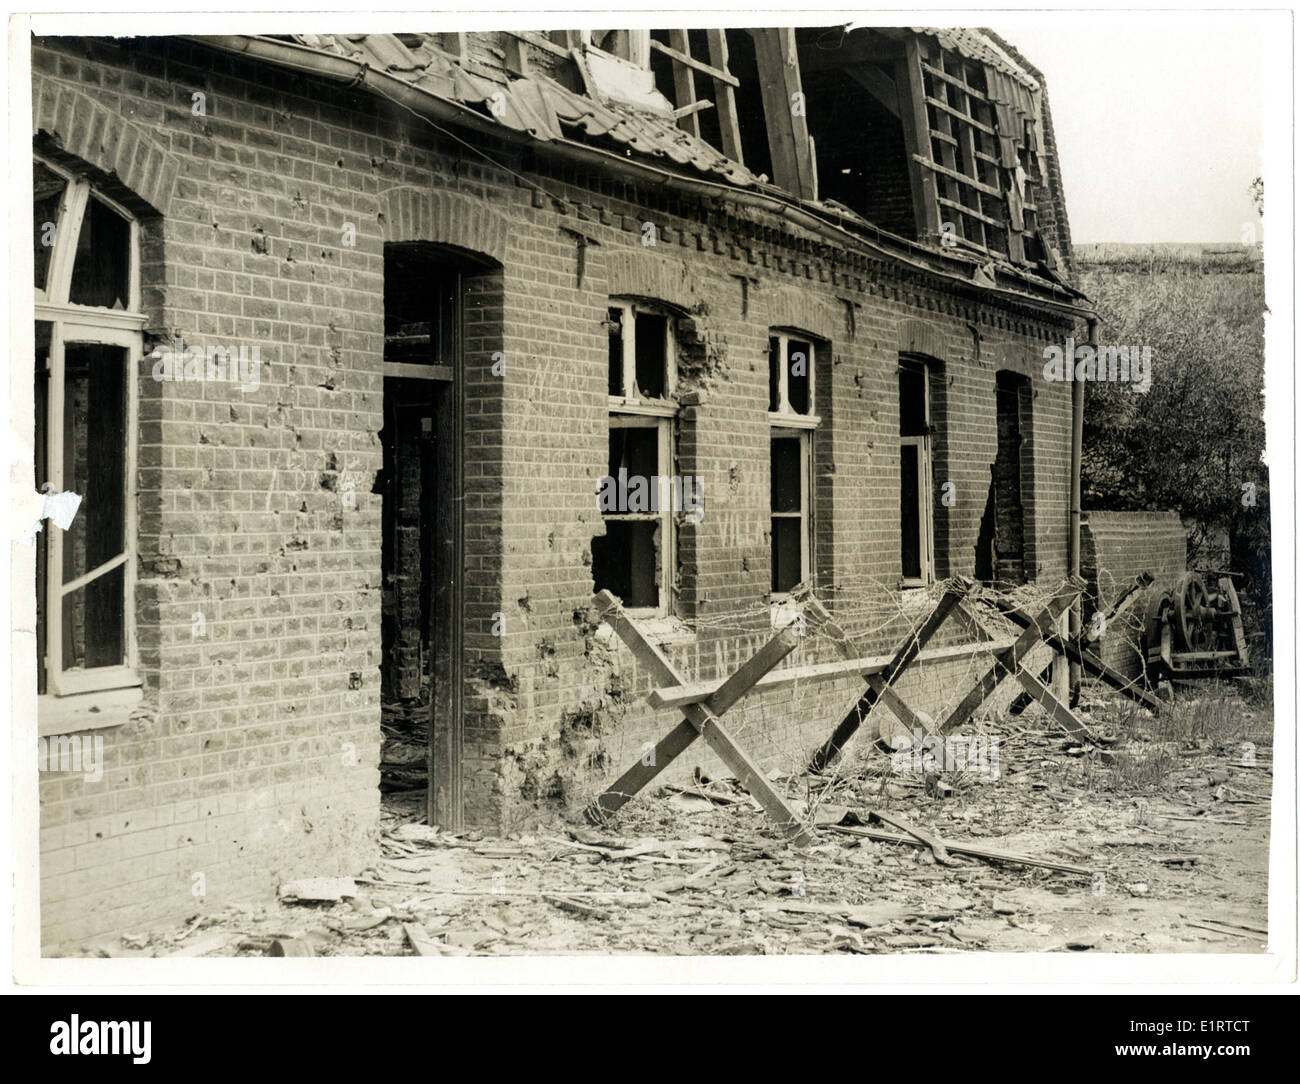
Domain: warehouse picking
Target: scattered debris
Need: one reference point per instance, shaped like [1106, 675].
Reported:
[421, 942]
[1061, 842]
[318, 889]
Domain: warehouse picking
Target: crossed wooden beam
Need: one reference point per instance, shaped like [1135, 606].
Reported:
[1005, 664]
[1077, 652]
[880, 686]
[701, 720]
[703, 717]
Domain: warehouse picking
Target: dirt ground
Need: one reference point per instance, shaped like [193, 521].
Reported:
[1167, 826]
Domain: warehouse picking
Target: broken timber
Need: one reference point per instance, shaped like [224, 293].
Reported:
[702, 720]
[953, 847]
[880, 686]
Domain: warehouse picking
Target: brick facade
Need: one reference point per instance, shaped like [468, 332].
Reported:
[254, 756]
[1117, 548]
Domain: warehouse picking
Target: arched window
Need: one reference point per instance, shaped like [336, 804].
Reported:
[88, 345]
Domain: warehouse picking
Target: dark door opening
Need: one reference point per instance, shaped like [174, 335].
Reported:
[420, 769]
[409, 483]
[1008, 495]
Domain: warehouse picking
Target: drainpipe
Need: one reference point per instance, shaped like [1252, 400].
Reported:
[1076, 498]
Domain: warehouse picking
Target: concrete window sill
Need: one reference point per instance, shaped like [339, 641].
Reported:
[667, 631]
[81, 712]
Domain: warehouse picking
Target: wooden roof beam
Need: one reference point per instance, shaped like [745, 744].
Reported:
[787, 125]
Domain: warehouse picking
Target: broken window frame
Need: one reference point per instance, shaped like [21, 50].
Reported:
[630, 401]
[631, 411]
[785, 414]
[85, 324]
[924, 445]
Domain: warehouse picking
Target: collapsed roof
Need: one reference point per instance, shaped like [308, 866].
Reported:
[960, 121]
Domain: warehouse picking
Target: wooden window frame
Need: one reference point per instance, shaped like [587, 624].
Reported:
[785, 415]
[629, 402]
[72, 323]
[804, 435]
[786, 422]
[924, 445]
[629, 411]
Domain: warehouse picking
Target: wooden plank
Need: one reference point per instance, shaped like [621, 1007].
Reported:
[1007, 662]
[961, 178]
[877, 84]
[692, 110]
[759, 664]
[905, 654]
[787, 132]
[632, 781]
[916, 140]
[1090, 662]
[679, 54]
[1227, 588]
[957, 114]
[420, 940]
[966, 209]
[885, 694]
[683, 81]
[959, 83]
[932, 840]
[706, 721]
[676, 696]
[1060, 712]
[724, 94]
[953, 847]
[1130, 595]
[540, 41]
[516, 54]
[405, 370]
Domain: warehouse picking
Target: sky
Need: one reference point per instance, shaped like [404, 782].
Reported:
[1158, 118]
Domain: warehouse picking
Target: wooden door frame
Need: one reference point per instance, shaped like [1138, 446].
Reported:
[445, 791]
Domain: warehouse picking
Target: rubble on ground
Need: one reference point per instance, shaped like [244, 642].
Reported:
[1158, 846]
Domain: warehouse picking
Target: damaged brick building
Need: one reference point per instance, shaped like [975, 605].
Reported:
[809, 274]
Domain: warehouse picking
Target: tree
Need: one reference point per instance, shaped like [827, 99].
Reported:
[1195, 441]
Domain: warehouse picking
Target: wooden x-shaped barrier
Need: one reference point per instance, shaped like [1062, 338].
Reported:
[1009, 663]
[703, 712]
[1077, 652]
[701, 720]
[1006, 663]
[880, 686]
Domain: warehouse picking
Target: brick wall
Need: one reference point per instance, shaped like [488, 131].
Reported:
[254, 756]
[1117, 547]
[577, 714]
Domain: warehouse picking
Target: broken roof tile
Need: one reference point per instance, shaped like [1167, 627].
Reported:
[535, 104]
